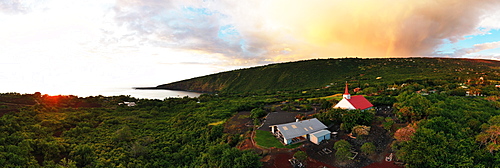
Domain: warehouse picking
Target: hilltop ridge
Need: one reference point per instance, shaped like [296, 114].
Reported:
[323, 72]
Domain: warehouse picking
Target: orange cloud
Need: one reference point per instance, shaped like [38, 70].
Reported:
[378, 28]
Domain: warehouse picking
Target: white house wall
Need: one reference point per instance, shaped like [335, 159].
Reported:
[344, 104]
[317, 140]
[314, 139]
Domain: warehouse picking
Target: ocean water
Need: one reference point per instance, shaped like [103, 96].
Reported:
[161, 94]
[154, 94]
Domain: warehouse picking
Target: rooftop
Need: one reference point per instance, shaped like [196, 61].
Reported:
[360, 102]
[295, 129]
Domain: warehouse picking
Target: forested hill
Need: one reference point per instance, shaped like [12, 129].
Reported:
[322, 72]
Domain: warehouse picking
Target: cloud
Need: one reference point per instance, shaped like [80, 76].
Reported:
[490, 21]
[477, 48]
[181, 25]
[280, 30]
[384, 27]
[14, 7]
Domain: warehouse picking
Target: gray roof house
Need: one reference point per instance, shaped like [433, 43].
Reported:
[299, 131]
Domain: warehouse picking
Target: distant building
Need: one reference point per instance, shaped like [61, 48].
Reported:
[294, 132]
[130, 104]
[353, 102]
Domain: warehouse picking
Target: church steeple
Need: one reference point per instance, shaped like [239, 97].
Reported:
[346, 94]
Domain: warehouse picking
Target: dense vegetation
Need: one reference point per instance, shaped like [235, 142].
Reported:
[448, 119]
[439, 129]
[450, 131]
[53, 131]
[360, 72]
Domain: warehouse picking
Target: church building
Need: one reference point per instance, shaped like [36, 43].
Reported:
[353, 102]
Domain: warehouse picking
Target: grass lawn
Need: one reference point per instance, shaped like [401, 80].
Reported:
[266, 139]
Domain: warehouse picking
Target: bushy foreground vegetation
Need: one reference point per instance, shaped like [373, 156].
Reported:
[450, 131]
[170, 133]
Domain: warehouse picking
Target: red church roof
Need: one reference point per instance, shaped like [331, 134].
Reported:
[360, 102]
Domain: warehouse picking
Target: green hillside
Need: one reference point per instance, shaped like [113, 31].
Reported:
[322, 72]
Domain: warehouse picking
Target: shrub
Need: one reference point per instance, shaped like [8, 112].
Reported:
[343, 150]
[257, 113]
[368, 148]
[388, 123]
[300, 155]
[361, 130]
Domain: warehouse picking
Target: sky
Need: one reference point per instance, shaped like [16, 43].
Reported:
[94, 46]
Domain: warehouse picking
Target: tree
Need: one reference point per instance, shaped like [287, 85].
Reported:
[325, 104]
[369, 90]
[341, 144]
[83, 155]
[257, 113]
[68, 163]
[439, 142]
[360, 130]
[306, 107]
[457, 92]
[343, 150]
[351, 118]
[137, 149]
[300, 155]
[123, 134]
[368, 148]
[491, 138]
[405, 133]
[248, 160]
[412, 107]
[389, 122]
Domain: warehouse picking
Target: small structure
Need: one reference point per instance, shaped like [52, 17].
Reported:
[311, 129]
[296, 163]
[130, 104]
[355, 102]
[388, 158]
[319, 136]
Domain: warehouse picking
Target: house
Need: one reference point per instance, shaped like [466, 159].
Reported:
[130, 104]
[353, 102]
[311, 129]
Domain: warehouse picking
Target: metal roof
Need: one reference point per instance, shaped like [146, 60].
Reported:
[296, 129]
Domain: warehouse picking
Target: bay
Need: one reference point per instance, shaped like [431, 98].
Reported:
[161, 94]
[148, 94]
